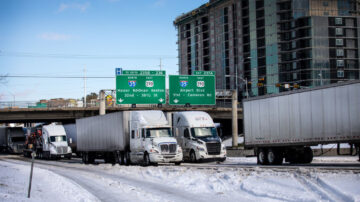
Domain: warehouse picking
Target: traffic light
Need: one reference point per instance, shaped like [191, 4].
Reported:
[260, 84]
[278, 85]
[262, 79]
[296, 86]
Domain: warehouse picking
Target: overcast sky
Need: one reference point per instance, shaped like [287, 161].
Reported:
[61, 38]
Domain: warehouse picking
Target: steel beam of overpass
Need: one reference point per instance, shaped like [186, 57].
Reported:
[23, 115]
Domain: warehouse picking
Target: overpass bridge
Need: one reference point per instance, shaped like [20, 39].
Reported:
[67, 115]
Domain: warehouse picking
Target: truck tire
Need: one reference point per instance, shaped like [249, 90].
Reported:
[119, 158]
[127, 158]
[178, 163]
[193, 157]
[274, 157]
[85, 158]
[308, 155]
[262, 157]
[91, 158]
[146, 159]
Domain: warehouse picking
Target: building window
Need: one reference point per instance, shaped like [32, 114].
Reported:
[340, 63]
[325, 3]
[339, 42]
[339, 52]
[339, 31]
[338, 21]
[340, 73]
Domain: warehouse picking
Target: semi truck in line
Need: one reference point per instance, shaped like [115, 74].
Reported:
[12, 139]
[70, 130]
[139, 137]
[48, 141]
[197, 135]
[285, 125]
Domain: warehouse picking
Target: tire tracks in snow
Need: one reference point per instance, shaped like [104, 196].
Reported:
[320, 188]
[158, 192]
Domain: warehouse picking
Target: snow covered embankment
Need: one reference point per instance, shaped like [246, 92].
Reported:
[46, 185]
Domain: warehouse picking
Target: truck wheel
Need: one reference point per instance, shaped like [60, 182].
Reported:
[127, 158]
[274, 157]
[85, 158]
[146, 159]
[193, 157]
[262, 157]
[308, 155]
[178, 163]
[120, 158]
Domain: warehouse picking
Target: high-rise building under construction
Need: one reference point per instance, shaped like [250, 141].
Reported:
[271, 45]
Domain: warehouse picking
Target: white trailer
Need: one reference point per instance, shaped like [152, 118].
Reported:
[196, 133]
[141, 137]
[285, 125]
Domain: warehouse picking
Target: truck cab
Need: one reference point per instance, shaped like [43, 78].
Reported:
[197, 135]
[16, 139]
[55, 143]
[151, 139]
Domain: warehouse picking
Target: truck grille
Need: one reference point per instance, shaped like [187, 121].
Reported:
[213, 148]
[61, 150]
[168, 148]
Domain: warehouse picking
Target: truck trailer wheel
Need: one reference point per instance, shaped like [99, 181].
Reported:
[274, 157]
[262, 157]
[308, 155]
[126, 158]
[85, 158]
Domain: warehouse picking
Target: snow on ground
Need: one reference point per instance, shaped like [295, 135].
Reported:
[228, 142]
[183, 183]
[46, 185]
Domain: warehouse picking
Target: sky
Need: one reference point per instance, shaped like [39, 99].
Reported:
[62, 38]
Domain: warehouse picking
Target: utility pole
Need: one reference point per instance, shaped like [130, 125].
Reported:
[160, 64]
[85, 86]
[234, 119]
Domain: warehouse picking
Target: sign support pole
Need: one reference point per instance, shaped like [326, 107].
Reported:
[234, 119]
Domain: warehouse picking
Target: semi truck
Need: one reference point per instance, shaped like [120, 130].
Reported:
[12, 139]
[48, 141]
[138, 137]
[197, 134]
[70, 130]
[285, 125]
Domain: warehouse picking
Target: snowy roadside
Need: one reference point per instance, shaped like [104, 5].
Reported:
[46, 186]
[180, 183]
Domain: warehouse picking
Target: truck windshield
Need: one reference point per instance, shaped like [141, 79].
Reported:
[204, 132]
[158, 132]
[61, 138]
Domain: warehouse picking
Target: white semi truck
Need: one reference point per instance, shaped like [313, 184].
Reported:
[196, 133]
[285, 125]
[48, 141]
[139, 137]
[12, 139]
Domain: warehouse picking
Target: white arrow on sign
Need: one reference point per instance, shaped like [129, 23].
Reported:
[176, 100]
[161, 100]
[121, 100]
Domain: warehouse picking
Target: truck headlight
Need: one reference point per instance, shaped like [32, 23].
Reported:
[200, 148]
[69, 150]
[153, 150]
[223, 147]
[179, 149]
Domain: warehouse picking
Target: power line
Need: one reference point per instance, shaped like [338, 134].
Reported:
[83, 56]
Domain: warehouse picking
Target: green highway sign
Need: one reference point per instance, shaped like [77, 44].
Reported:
[140, 87]
[212, 73]
[190, 89]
